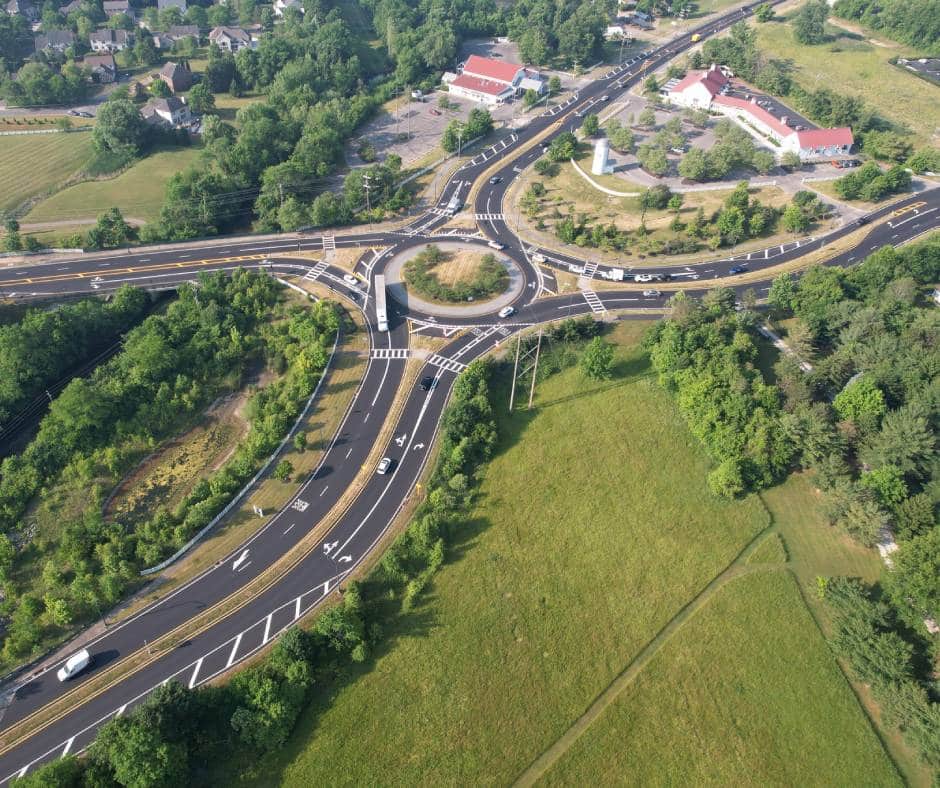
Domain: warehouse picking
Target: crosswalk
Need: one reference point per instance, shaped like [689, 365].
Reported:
[489, 217]
[589, 270]
[316, 271]
[389, 352]
[593, 301]
[446, 363]
[329, 243]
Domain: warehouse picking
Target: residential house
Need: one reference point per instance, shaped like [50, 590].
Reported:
[115, 7]
[170, 111]
[180, 4]
[68, 8]
[54, 41]
[492, 82]
[102, 67]
[232, 38]
[22, 8]
[698, 88]
[110, 40]
[177, 76]
[280, 6]
[179, 32]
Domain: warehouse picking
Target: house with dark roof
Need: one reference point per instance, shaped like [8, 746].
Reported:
[180, 4]
[177, 76]
[179, 32]
[170, 111]
[232, 38]
[115, 7]
[68, 8]
[106, 40]
[102, 68]
[22, 8]
[54, 41]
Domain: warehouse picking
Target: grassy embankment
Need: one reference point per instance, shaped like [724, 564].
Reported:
[34, 164]
[594, 532]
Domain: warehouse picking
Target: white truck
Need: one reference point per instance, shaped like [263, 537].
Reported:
[614, 274]
[74, 665]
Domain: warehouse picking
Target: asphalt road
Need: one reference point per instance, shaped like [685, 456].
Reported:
[233, 637]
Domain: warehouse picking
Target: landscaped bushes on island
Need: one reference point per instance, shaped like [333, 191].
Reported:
[490, 278]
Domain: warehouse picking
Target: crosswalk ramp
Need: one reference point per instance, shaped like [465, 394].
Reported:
[593, 301]
[317, 270]
[329, 243]
[389, 352]
[446, 363]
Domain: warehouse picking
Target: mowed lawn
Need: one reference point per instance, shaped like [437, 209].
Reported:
[32, 164]
[746, 694]
[854, 66]
[138, 191]
[594, 529]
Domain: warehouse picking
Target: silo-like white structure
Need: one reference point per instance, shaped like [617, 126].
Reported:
[601, 153]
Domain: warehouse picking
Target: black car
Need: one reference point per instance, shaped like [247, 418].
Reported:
[738, 269]
[427, 383]
[495, 179]
[862, 220]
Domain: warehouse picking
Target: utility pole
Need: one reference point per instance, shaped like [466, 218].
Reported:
[515, 370]
[366, 185]
[535, 370]
[459, 140]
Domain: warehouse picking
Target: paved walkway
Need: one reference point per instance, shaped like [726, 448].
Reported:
[396, 287]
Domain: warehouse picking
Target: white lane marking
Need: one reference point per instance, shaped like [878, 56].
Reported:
[121, 710]
[367, 416]
[231, 657]
[288, 528]
[324, 490]
[195, 676]
[267, 628]
[388, 363]
[240, 560]
[22, 772]
[297, 609]
[245, 566]
[349, 452]
[68, 746]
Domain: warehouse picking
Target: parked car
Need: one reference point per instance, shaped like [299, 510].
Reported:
[737, 269]
[74, 665]
[384, 465]
[506, 311]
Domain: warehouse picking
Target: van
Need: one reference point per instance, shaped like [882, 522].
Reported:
[74, 665]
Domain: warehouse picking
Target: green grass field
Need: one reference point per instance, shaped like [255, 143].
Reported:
[138, 191]
[746, 694]
[33, 164]
[853, 65]
[594, 530]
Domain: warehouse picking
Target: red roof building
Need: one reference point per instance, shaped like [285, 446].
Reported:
[777, 127]
[493, 70]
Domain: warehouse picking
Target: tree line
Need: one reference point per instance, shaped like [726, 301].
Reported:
[171, 367]
[175, 730]
[915, 22]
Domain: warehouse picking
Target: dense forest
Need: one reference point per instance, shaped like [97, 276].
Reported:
[857, 405]
[173, 735]
[170, 368]
[915, 22]
[45, 344]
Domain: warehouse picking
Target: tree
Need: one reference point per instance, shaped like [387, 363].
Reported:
[794, 220]
[915, 577]
[201, 99]
[809, 24]
[694, 165]
[591, 125]
[160, 89]
[764, 12]
[145, 51]
[905, 440]
[119, 128]
[563, 147]
[300, 441]
[653, 159]
[791, 160]
[529, 98]
[621, 137]
[598, 360]
[862, 403]
[727, 480]
[283, 470]
[110, 232]
[138, 755]
[647, 118]
[12, 241]
[554, 85]
[651, 86]
[763, 161]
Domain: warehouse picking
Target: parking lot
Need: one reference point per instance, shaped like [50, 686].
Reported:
[774, 106]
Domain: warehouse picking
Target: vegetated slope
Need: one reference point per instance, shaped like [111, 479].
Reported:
[745, 693]
[594, 529]
[32, 164]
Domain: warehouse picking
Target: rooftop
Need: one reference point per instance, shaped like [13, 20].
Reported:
[480, 85]
[488, 68]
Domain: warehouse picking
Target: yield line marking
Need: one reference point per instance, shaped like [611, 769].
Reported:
[231, 657]
[68, 746]
[297, 608]
[267, 628]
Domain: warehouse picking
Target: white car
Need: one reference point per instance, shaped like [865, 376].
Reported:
[496, 245]
[74, 665]
[506, 311]
[349, 279]
[605, 97]
[643, 278]
[384, 464]
[651, 293]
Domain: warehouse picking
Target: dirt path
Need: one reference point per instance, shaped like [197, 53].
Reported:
[737, 568]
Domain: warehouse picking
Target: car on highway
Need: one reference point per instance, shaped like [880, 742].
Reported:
[643, 278]
[605, 97]
[862, 220]
[349, 279]
[506, 311]
[74, 665]
[428, 383]
[495, 179]
[737, 269]
[651, 293]
[384, 466]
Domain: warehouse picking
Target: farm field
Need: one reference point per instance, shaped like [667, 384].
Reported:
[138, 191]
[33, 164]
[856, 66]
[593, 531]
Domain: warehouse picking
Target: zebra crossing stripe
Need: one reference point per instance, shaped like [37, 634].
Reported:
[593, 301]
[446, 363]
[387, 353]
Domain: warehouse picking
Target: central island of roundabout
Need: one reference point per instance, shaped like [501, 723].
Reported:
[452, 264]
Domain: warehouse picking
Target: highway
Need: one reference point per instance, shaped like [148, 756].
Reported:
[366, 516]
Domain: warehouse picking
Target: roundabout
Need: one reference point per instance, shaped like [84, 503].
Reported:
[398, 289]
